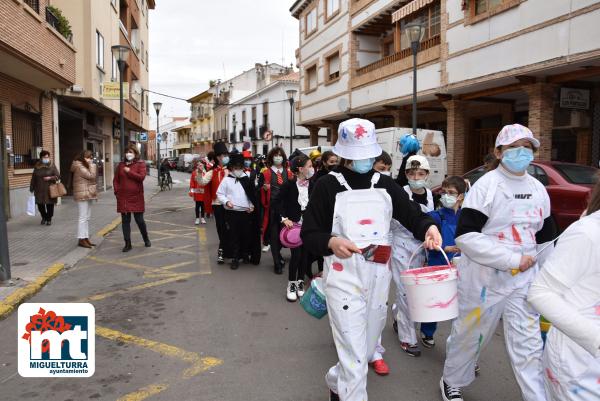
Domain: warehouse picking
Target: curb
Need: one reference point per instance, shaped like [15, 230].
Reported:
[109, 227]
[10, 303]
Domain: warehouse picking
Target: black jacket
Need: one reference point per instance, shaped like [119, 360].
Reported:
[288, 205]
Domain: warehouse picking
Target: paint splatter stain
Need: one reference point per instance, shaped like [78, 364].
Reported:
[444, 305]
[480, 344]
[359, 132]
[365, 222]
[598, 313]
[483, 295]
[473, 318]
[338, 267]
[501, 236]
[345, 307]
[516, 235]
[551, 377]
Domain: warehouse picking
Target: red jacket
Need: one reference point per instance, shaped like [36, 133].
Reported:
[196, 190]
[129, 187]
[218, 173]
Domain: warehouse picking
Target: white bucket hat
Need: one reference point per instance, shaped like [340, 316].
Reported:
[417, 161]
[512, 133]
[357, 140]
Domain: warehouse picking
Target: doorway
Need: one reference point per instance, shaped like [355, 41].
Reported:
[97, 149]
[4, 177]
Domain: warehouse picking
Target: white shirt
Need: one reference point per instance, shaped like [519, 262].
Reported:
[302, 195]
[231, 190]
[277, 169]
[567, 289]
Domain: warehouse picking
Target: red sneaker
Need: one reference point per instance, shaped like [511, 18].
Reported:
[380, 367]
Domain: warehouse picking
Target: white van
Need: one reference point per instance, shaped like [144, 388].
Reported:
[432, 147]
[185, 161]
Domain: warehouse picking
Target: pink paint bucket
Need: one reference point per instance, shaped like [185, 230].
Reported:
[431, 292]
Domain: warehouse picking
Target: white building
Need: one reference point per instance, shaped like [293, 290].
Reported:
[481, 64]
[167, 147]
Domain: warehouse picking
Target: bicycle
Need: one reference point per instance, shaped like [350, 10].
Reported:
[166, 182]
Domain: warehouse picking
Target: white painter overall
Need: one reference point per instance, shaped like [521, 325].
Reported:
[516, 208]
[357, 290]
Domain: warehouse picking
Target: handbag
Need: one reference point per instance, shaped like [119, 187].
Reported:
[57, 190]
[31, 205]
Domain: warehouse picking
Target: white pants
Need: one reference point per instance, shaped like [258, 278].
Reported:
[357, 294]
[85, 213]
[480, 309]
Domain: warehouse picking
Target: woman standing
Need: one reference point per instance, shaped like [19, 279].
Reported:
[567, 293]
[504, 218]
[348, 222]
[128, 185]
[294, 199]
[84, 192]
[44, 174]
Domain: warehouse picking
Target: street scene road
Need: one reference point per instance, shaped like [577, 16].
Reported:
[174, 325]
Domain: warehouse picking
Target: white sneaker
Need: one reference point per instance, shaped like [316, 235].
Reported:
[202, 221]
[197, 222]
[300, 288]
[292, 295]
[266, 248]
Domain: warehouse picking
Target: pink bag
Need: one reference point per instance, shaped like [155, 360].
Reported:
[290, 237]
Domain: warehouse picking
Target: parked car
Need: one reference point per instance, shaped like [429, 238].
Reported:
[568, 185]
[193, 164]
[185, 161]
[172, 162]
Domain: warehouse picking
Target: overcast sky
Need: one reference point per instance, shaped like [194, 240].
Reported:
[194, 41]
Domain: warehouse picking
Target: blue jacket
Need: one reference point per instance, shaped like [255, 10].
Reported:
[446, 220]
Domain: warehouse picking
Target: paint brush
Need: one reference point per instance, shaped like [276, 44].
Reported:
[514, 272]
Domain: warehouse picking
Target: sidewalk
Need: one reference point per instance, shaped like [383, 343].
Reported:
[38, 253]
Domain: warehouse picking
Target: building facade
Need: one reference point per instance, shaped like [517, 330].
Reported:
[87, 119]
[33, 63]
[202, 120]
[183, 140]
[167, 148]
[481, 64]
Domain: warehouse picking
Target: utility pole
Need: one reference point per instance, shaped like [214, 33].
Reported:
[4, 257]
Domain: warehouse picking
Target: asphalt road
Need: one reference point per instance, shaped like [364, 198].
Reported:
[174, 325]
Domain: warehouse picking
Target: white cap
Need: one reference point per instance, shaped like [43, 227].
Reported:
[512, 133]
[357, 140]
[417, 161]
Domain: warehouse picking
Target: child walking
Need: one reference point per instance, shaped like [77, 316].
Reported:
[197, 191]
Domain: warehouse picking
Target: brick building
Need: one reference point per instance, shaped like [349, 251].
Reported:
[481, 64]
[35, 59]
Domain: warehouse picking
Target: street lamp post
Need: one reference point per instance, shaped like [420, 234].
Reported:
[120, 52]
[157, 106]
[4, 258]
[291, 93]
[414, 33]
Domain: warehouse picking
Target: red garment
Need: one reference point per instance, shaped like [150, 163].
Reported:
[217, 176]
[129, 187]
[200, 193]
[265, 197]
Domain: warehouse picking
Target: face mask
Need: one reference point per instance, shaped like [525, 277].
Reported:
[247, 163]
[363, 166]
[238, 173]
[129, 156]
[225, 160]
[517, 159]
[417, 184]
[46, 161]
[310, 172]
[448, 200]
[388, 173]
[278, 160]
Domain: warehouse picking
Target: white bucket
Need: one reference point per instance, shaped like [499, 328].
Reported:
[431, 292]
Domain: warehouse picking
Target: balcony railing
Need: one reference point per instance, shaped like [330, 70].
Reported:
[426, 44]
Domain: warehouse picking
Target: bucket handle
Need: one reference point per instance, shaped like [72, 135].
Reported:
[439, 248]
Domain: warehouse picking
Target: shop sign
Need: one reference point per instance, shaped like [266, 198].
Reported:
[572, 98]
[110, 91]
[144, 137]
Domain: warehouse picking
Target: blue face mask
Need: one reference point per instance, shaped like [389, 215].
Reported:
[247, 163]
[225, 160]
[363, 166]
[517, 159]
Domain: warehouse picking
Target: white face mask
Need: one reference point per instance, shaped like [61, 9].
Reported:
[238, 173]
[417, 184]
[129, 156]
[448, 200]
[278, 160]
[388, 173]
[310, 172]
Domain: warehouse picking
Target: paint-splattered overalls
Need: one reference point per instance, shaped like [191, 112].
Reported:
[516, 208]
[357, 290]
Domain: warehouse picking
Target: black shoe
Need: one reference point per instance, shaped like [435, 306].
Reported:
[333, 396]
[147, 243]
[278, 269]
[427, 341]
[127, 246]
[43, 222]
[411, 349]
[48, 222]
[395, 326]
[477, 370]
[235, 264]
[450, 393]
[220, 258]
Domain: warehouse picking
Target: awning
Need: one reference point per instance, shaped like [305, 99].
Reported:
[180, 146]
[410, 8]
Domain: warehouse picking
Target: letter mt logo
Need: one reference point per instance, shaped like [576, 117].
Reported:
[56, 340]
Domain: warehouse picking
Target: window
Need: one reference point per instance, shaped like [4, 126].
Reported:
[310, 78]
[477, 10]
[332, 8]
[332, 65]
[142, 50]
[26, 137]
[482, 6]
[114, 3]
[310, 21]
[114, 74]
[99, 50]
[429, 17]
[147, 60]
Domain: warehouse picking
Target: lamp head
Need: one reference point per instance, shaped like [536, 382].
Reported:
[414, 32]
[291, 93]
[120, 52]
[157, 106]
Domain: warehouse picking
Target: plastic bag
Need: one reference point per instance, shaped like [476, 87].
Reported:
[31, 206]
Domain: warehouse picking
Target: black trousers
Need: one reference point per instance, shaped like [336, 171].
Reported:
[46, 210]
[274, 229]
[126, 225]
[219, 213]
[199, 209]
[238, 224]
[298, 264]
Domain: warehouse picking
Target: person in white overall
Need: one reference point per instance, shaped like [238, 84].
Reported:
[567, 293]
[347, 221]
[504, 218]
